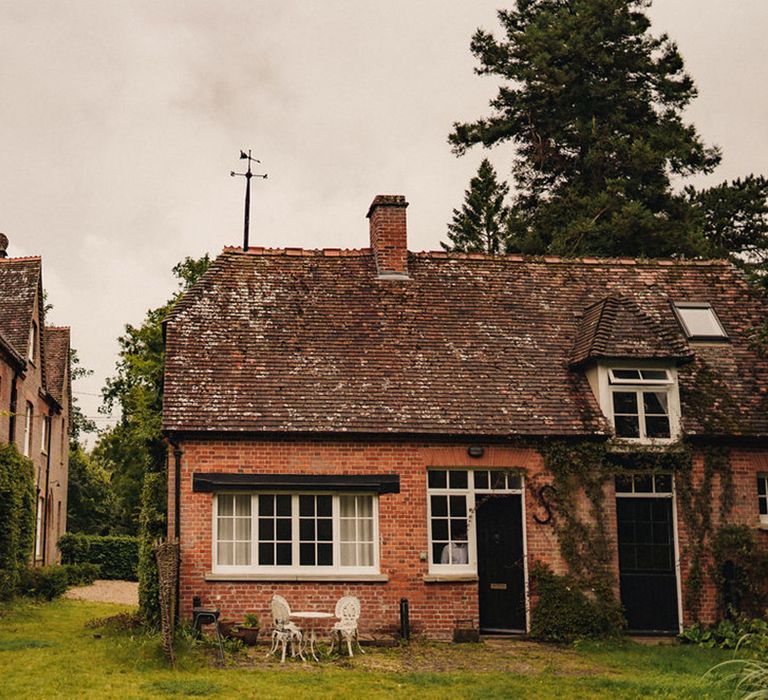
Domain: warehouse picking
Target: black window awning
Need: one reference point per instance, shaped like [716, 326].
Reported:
[369, 483]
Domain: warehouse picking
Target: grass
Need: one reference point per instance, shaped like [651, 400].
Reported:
[46, 651]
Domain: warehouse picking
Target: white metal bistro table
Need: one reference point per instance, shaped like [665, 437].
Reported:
[311, 618]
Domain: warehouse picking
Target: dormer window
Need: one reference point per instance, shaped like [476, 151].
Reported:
[699, 321]
[640, 403]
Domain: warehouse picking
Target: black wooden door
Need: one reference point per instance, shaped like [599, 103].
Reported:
[500, 563]
[647, 564]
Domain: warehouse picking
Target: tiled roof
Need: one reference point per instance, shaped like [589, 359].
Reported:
[616, 327]
[19, 281]
[56, 360]
[312, 341]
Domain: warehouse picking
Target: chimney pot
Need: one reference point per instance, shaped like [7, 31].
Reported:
[3, 245]
[389, 235]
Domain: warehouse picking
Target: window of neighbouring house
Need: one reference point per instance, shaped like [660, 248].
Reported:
[46, 428]
[28, 430]
[452, 500]
[32, 349]
[39, 528]
[296, 533]
[641, 403]
[762, 497]
[699, 321]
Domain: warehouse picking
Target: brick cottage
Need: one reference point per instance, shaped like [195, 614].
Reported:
[374, 422]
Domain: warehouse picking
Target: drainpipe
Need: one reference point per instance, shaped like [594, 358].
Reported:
[47, 482]
[177, 512]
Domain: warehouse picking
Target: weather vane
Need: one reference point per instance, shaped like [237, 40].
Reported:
[247, 175]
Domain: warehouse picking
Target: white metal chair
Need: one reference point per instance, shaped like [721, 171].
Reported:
[285, 632]
[345, 630]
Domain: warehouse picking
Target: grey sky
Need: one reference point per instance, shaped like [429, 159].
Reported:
[121, 122]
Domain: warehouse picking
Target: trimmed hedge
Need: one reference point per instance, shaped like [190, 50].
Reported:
[17, 517]
[116, 555]
[47, 582]
[81, 574]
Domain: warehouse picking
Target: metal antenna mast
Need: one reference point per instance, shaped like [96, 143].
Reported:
[247, 175]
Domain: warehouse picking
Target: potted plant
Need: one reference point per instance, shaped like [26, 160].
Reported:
[248, 630]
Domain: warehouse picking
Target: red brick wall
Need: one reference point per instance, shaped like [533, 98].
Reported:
[403, 527]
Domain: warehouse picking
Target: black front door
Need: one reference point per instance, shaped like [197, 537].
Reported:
[500, 563]
[647, 564]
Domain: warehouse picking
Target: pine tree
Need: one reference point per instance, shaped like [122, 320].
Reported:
[593, 104]
[480, 226]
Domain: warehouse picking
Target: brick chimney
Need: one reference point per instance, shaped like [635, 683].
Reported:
[3, 245]
[389, 236]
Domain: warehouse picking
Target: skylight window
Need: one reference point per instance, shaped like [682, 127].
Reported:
[699, 321]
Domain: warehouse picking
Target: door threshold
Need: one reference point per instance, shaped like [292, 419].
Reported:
[496, 632]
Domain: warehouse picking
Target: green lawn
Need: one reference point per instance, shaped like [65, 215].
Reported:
[46, 651]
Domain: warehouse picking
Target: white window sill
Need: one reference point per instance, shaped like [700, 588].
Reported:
[762, 526]
[370, 578]
[451, 578]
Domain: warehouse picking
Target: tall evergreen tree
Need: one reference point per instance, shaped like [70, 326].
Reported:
[593, 104]
[480, 226]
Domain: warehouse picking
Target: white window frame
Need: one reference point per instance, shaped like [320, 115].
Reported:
[39, 527]
[608, 384]
[763, 497]
[32, 349]
[470, 493]
[337, 570]
[29, 412]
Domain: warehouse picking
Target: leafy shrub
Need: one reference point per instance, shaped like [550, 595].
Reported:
[736, 546]
[47, 582]
[742, 633]
[17, 516]
[116, 555]
[152, 524]
[81, 574]
[564, 612]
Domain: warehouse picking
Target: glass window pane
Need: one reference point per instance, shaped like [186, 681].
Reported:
[643, 483]
[324, 529]
[627, 426]
[307, 529]
[284, 554]
[626, 374]
[242, 553]
[243, 505]
[365, 506]
[761, 485]
[266, 554]
[347, 506]
[365, 530]
[663, 483]
[763, 506]
[623, 483]
[458, 530]
[514, 481]
[225, 552]
[226, 505]
[348, 554]
[655, 402]
[284, 529]
[325, 555]
[324, 506]
[657, 426]
[365, 554]
[225, 528]
[439, 505]
[625, 402]
[481, 479]
[437, 552]
[498, 479]
[458, 506]
[283, 505]
[700, 322]
[306, 505]
[438, 479]
[458, 479]
[439, 529]
[243, 528]
[307, 554]
[266, 529]
[348, 533]
[266, 505]
[655, 375]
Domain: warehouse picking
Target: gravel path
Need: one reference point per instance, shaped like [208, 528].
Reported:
[125, 592]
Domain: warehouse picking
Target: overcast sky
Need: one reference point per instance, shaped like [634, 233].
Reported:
[120, 123]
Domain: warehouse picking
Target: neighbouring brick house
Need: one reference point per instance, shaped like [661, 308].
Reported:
[373, 422]
[35, 394]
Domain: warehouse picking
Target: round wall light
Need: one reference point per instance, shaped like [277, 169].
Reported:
[476, 451]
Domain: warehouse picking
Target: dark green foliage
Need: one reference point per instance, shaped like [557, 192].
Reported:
[116, 555]
[17, 517]
[743, 633]
[480, 226]
[563, 611]
[82, 574]
[135, 446]
[90, 501]
[152, 527]
[737, 544]
[46, 582]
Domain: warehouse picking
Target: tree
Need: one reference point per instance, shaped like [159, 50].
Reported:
[89, 494]
[593, 104]
[135, 445]
[480, 226]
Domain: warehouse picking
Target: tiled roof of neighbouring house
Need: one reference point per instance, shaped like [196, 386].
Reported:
[56, 360]
[19, 281]
[313, 341]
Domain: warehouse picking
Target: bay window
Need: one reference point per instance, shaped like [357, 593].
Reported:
[295, 533]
